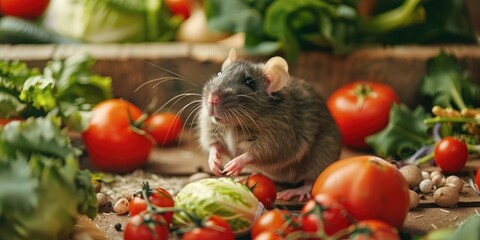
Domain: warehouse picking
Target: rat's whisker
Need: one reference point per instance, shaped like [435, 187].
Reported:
[176, 99]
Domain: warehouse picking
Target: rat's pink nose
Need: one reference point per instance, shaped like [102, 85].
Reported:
[214, 98]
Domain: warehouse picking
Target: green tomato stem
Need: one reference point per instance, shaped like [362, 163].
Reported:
[430, 121]
[424, 159]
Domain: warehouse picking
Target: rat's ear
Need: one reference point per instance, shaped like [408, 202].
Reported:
[276, 72]
[232, 57]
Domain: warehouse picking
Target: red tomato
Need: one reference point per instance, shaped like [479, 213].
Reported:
[158, 197]
[263, 188]
[322, 210]
[28, 9]
[368, 187]
[373, 230]
[112, 142]
[137, 227]
[164, 127]
[180, 7]
[274, 220]
[451, 154]
[360, 109]
[215, 227]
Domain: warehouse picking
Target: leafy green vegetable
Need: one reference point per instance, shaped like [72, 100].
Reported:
[104, 21]
[323, 24]
[404, 134]
[66, 88]
[448, 83]
[42, 191]
[335, 25]
[224, 197]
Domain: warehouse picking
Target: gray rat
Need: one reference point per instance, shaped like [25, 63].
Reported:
[262, 118]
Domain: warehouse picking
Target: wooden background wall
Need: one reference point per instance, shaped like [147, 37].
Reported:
[131, 65]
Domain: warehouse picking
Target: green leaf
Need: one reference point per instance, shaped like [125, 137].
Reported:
[42, 135]
[404, 134]
[307, 24]
[75, 79]
[410, 12]
[40, 91]
[22, 193]
[469, 230]
[448, 83]
[10, 106]
[13, 75]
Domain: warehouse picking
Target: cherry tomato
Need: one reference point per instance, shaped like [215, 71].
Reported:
[138, 227]
[373, 230]
[158, 197]
[368, 187]
[274, 220]
[27, 9]
[180, 7]
[322, 210]
[451, 154]
[215, 227]
[263, 188]
[164, 127]
[112, 142]
[360, 109]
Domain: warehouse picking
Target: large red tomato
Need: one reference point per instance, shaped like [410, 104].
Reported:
[28, 9]
[451, 154]
[112, 142]
[360, 109]
[368, 187]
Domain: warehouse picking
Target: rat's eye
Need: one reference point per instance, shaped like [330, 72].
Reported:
[219, 73]
[250, 82]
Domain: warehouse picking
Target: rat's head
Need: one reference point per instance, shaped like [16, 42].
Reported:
[242, 90]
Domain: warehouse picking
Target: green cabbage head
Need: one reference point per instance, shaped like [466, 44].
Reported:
[220, 196]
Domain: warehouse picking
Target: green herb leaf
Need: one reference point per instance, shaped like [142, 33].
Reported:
[42, 135]
[448, 83]
[404, 134]
[40, 91]
[10, 106]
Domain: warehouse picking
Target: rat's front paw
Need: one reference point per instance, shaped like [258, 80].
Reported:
[214, 160]
[236, 165]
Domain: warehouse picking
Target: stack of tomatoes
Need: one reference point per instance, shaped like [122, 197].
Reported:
[362, 197]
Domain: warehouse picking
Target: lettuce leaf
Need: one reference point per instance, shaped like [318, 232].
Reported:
[221, 196]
